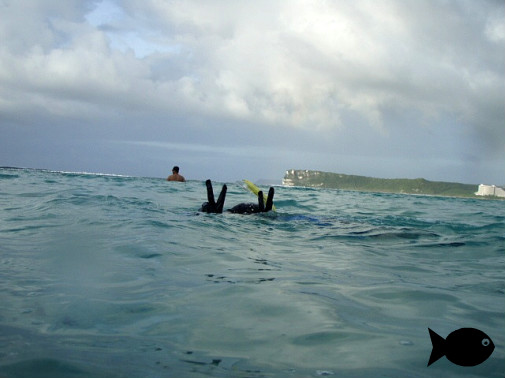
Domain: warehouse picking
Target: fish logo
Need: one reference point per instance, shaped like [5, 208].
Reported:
[464, 347]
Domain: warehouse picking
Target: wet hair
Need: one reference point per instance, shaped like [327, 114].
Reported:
[175, 169]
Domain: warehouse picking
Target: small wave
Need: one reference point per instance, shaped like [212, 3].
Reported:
[401, 234]
[84, 173]
[150, 256]
[4, 176]
[442, 245]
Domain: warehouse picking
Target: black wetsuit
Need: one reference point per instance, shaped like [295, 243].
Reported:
[242, 208]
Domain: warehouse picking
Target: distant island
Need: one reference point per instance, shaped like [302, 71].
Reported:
[318, 179]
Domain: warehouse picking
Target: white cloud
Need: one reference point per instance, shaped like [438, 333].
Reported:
[301, 63]
[326, 67]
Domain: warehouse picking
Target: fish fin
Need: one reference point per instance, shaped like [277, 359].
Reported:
[438, 350]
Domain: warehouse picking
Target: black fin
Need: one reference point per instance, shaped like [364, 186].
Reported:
[438, 350]
[220, 200]
[210, 194]
[270, 199]
[261, 204]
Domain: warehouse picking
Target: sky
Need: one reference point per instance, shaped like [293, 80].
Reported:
[229, 90]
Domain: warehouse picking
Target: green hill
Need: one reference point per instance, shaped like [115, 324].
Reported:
[318, 179]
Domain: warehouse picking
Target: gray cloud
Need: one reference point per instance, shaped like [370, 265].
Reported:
[326, 84]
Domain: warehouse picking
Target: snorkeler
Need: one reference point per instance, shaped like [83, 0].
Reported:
[242, 208]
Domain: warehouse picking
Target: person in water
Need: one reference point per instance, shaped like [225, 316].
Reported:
[175, 176]
[242, 208]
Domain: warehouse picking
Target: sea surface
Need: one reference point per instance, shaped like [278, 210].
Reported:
[113, 276]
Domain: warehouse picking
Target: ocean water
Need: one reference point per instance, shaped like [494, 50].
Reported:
[111, 276]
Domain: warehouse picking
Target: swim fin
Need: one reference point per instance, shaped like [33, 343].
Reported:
[210, 195]
[270, 200]
[261, 202]
[220, 200]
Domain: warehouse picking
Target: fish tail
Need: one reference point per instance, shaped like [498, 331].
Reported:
[438, 350]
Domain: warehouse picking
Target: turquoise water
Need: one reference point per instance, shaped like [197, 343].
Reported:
[110, 276]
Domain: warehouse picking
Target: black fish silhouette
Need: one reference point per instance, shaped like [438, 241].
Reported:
[464, 347]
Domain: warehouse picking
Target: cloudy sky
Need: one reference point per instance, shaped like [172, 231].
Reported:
[248, 89]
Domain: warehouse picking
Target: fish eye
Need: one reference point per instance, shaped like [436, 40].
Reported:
[485, 342]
